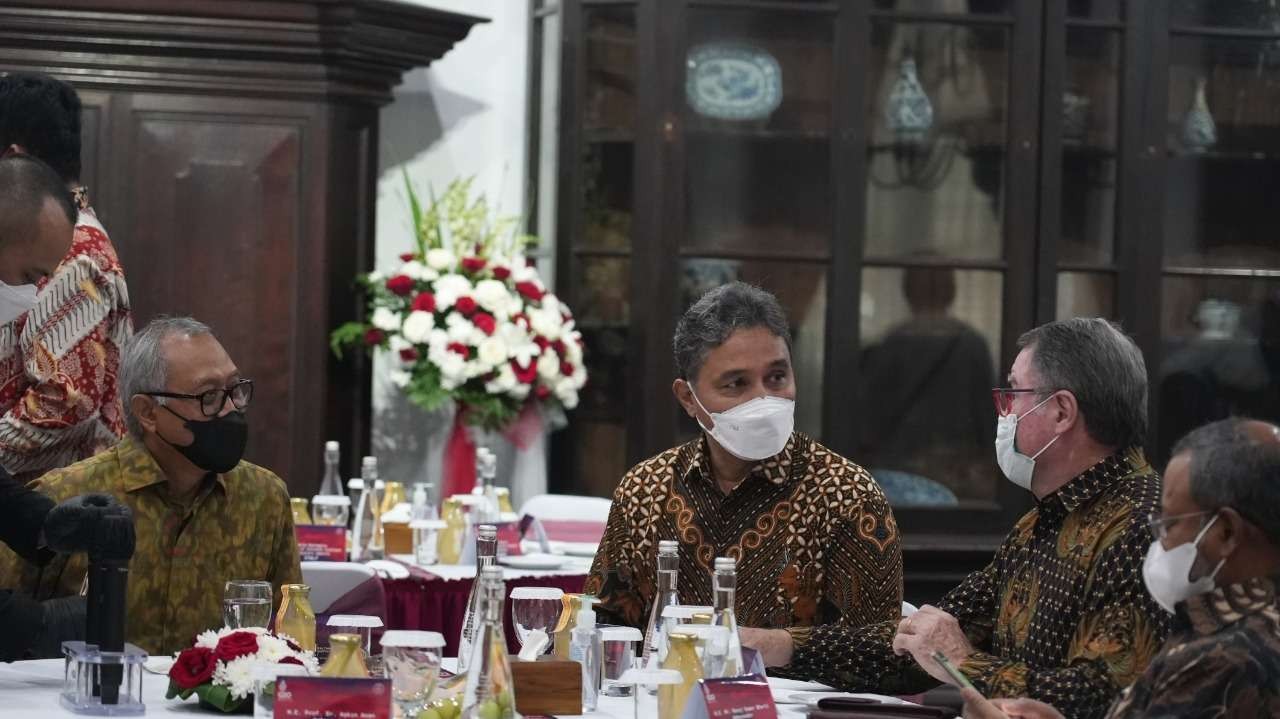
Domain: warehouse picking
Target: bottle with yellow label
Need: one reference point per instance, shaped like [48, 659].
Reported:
[571, 605]
[296, 618]
[449, 547]
[682, 656]
[346, 658]
[300, 513]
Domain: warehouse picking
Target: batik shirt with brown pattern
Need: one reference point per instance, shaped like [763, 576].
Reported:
[1222, 659]
[1061, 614]
[239, 526]
[813, 536]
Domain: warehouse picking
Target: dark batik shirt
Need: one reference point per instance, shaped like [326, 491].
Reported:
[813, 536]
[1061, 613]
[1222, 659]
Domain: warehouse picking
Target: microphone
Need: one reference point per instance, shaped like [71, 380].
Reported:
[102, 527]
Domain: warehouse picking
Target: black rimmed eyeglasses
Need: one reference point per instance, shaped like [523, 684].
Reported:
[212, 401]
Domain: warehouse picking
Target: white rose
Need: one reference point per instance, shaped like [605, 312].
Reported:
[418, 326]
[492, 351]
[385, 320]
[461, 330]
[449, 288]
[504, 382]
[524, 273]
[453, 370]
[547, 324]
[549, 365]
[441, 260]
[494, 297]
[567, 393]
[551, 304]
[520, 391]
[399, 378]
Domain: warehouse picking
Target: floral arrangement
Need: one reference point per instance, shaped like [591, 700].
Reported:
[467, 318]
[219, 667]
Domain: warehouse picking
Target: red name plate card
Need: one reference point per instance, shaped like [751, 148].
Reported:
[321, 543]
[746, 697]
[324, 698]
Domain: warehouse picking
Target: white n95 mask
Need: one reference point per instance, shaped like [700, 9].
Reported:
[754, 430]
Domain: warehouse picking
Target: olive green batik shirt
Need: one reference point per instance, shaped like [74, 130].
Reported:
[238, 526]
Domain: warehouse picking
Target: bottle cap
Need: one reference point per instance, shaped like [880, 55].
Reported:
[726, 564]
[668, 545]
[486, 532]
[331, 447]
[587, 615]
[413, 639]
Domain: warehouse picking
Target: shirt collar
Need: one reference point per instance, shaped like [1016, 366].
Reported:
[1213, 611]
[140, 469]
[1093, 481]
[775, 469]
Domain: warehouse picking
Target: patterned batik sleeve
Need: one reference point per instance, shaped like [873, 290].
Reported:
[862, 659]
[1120, 631]
[1232, 676]
[612, 578]
[66, 364]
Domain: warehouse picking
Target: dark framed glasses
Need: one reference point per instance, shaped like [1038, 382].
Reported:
[212, 401]
[1003, 397]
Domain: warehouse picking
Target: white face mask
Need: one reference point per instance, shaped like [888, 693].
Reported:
[1167, 573]
[754, 430]
[1017, 466]
[15, 301]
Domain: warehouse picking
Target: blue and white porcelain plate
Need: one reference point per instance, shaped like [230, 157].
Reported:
[732, 82]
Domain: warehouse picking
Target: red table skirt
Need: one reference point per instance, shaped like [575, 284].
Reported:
[439, 605]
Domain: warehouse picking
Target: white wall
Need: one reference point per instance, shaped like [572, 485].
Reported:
[463, 116]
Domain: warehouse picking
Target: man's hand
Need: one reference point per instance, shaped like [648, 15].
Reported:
[775, 645]
[932, 630]
[978, 707]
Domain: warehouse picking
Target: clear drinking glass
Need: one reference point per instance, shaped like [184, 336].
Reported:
[535, 609]
[265, 677]
[411, 660]
[246, 603]
[618, 650]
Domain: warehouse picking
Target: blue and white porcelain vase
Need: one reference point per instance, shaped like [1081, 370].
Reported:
[909, 113]
[1199, 131]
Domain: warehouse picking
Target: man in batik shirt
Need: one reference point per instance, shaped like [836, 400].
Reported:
[202, 516]
[1217, 570]
[1061, 613]
[59, 346]
[813, 536]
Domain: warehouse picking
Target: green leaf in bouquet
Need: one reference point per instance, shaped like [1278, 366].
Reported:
[219, 697]
[415, 211]
[176, 691]
[346, 335]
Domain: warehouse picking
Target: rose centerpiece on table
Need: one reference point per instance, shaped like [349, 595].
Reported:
[468, 320]
[219, 667]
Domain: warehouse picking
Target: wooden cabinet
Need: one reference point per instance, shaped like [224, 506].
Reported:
[1052, 179]
[230, 148]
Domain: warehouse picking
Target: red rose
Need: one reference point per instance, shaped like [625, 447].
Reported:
[541, 391]
[400, 285]
[485, 322]
[236, 645]
[409, 354]
[473, 264]
[465, 305]
[558, 346]
[291, 660]
[525, 375]
[530, 291]
[424, 302]
[406, 257]
[566, 368]
[542, 343]
[193, 667]
[461, 349]
[374, 336]
[501, 273]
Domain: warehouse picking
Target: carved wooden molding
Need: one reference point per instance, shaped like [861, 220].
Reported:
[350, 50]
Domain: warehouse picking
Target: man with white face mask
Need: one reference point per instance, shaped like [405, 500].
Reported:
[1061, 613]
[813, 536]
[1214, 564]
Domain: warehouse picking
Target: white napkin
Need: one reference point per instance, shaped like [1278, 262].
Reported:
[388, 569]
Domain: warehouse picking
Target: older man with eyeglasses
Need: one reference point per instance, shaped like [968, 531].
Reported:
[1060, 614]
[202, 515]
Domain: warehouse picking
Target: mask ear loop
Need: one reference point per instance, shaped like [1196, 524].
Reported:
[1018, 418]
[1203, 531]
[699, 403]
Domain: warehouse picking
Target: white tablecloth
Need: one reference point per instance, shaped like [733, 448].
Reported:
[29, 690]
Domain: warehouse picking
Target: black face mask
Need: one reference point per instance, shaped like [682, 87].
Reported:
[218, 443]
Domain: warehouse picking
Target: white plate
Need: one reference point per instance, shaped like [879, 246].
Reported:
[810, 699]
[532, 561]
[729, 81]
[577, 549]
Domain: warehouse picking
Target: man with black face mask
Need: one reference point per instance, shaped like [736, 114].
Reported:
[203, 516]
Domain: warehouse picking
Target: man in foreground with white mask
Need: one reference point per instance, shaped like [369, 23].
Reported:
[1060, 614]
[813, 536]
[1214, 564]
[59, 345]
